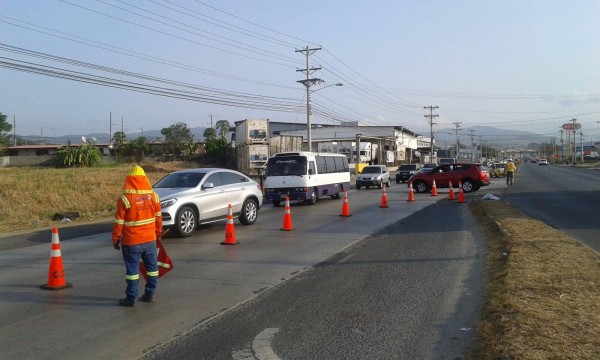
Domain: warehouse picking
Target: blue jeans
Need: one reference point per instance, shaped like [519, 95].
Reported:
[132, 255]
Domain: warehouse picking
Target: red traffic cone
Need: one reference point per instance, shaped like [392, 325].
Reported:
[461, 194]
[287, 218]
[451, 193]
[411, 193]
[434, 189]
[56, 275]
[345, 206]
[229, 229]
[384, 203]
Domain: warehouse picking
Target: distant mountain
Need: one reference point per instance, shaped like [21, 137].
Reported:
[489, 135]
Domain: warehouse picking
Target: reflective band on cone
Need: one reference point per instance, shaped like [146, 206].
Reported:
[287, 218]
[229, 229]
[56, 274]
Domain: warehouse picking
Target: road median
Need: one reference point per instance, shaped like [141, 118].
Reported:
[542, 293]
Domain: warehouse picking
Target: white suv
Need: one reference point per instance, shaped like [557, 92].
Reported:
[373, 175]
[198, 196]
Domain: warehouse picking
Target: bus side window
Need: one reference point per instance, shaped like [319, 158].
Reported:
[311, 168]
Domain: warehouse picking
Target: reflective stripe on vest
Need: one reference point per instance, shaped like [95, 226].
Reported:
[126, 201]
[140, 222]
[132, 191]
[120, 222]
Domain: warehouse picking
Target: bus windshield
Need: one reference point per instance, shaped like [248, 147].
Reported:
[288, 165]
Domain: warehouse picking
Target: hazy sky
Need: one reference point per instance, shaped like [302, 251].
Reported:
[525, 65]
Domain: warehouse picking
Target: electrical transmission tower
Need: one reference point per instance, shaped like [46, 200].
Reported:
[308, 82]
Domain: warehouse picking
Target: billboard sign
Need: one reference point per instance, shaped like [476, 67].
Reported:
[571, 126]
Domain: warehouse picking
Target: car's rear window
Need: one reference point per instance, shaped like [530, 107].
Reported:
[408, 167]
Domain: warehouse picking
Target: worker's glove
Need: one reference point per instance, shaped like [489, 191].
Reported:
[116, 245]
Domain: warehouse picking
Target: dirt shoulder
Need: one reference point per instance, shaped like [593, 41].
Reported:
[542, 292]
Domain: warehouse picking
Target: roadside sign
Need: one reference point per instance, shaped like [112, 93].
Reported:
[571, 125]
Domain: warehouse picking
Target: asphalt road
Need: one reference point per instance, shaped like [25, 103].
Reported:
[564, 197]
[401, 281]
[410, 291]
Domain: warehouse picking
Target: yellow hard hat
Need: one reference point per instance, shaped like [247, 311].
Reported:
[137, 171]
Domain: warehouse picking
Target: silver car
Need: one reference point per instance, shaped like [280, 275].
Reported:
[199, 196]
[373, 175]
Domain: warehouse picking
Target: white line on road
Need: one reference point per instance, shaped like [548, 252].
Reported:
[261, 346]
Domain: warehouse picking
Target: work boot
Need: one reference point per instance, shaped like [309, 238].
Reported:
[126, 302]
[147, 298]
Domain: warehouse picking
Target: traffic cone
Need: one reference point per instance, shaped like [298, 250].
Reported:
[345, 206]
[384, 203]
[434, 189]
[411, 193]
[451, 193]
[461, 194]
[287, 218]
[229, 229]
[56, 275]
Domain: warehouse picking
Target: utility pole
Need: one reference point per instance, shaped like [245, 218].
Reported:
[110, 128]
[431, 123]
[581, 142]
[574, 143]
[472, 146]
[14, 130]
[457, 124]
[308, 82]
[562, 146]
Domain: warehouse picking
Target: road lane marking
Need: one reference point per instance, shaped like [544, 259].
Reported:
[261, 347]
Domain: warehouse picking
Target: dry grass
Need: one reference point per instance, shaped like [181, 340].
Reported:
[542, 291]
[31, 196]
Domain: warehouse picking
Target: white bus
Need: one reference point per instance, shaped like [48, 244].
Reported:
[306, 176]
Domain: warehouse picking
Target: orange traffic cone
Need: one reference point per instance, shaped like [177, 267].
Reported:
[384, 203]
[287, 218]
[411, 193]
[434, 189]
[345, 206]
[461, 194]
[451, 193]
[229, 229]
[56, 275]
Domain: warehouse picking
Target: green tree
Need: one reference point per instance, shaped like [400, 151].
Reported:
[79, 156]
[178, 138]
[119, 138]
[5, 127]
[223, 127]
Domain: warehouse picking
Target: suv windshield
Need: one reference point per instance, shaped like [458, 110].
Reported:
[371, 170]
[408, 167]
[180, 180]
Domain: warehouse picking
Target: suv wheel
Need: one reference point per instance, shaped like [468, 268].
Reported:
[249, 212]
[186, 221]
[380, 184]
[468, 186]
[420, 187]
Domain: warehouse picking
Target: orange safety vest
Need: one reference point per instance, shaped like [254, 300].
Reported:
[138, 218]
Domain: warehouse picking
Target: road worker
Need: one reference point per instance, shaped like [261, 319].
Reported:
[137, 226]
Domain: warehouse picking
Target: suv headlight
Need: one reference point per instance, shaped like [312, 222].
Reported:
[167, 203]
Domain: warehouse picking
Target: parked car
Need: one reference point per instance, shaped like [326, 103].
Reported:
[406, 171]
[192, 197]
[373, 175]
[471, 176]
[497, 170]
[543, 162]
